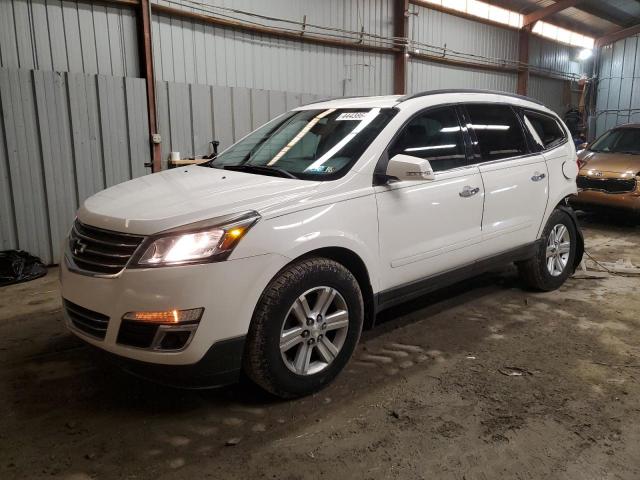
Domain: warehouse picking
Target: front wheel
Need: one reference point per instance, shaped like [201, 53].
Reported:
[305, 328]
[554, 260]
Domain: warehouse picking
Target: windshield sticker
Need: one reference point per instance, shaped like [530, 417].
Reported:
[352, 116]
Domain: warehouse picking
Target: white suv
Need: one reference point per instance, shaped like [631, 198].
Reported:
[272, 257]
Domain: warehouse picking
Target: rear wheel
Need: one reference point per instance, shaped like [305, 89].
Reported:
[554, 260]
[305, 328]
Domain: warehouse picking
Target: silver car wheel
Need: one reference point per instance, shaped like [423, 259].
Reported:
[558, 250]
[314, 330]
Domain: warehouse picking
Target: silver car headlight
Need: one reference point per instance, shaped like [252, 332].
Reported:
[201, 242]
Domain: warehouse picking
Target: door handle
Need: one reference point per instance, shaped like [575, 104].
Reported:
[538, 176]
[467, 191]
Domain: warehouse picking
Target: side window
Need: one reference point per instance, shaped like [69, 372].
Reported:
[436, 136]
[545, 130]
[497, 131]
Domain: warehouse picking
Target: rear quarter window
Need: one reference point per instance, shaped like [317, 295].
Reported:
[545, 130]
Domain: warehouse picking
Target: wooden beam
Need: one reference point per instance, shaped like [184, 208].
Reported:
[523, 59]
[617, 35]
[545, 12]
[400, 31]
[269, 31]
[146, 60]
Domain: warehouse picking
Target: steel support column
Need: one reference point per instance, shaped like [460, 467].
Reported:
[523, 60]
[146, 60]
[401, 33]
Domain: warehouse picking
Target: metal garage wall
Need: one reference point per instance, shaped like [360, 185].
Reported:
[68, 36]
[374, 16]
[555, 57]
[63, 137]
[550, 92]
[618, 96]
[193, 52]
[427, 76]
[191, 115]
[454, 33]
[448, 34]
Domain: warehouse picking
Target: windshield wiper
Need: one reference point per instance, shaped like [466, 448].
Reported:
[273, 171]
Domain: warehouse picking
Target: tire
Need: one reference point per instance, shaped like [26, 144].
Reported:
[283, 370]
[536, 272]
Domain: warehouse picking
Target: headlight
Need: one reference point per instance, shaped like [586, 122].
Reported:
[201, 242]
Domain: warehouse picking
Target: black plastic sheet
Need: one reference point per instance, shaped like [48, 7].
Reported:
[18, 266]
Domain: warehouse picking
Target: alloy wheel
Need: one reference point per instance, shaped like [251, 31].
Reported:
[314, 330]
[558, 249]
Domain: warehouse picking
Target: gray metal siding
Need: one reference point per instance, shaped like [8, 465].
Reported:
[374, 16]
[618, 93]
[549, 56]
[550, 92]
[64, 137]
[191, 52]
[68, 36]
[190, 116]
[453, 33]
[423, 75]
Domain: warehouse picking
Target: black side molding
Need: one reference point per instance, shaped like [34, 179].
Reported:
[412, 290]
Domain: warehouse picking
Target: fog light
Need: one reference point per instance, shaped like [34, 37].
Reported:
[167, 317]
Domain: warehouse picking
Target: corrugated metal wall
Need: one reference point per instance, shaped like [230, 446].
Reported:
[428, 76]
[193, 52]
[192, 115]
[68, 36]
[63, 137]
[374, 16]
[458, 34]
[555, 57]
[618, 94]
[550, 92]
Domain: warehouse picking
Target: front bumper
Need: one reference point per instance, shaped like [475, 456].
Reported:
[626, 201]
[220, 366]
[227, 290]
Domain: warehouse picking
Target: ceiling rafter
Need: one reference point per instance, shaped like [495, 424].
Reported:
[533, 17]
[618, 35]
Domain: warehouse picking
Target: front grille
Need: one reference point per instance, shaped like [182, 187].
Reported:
[101, 251]
[137, 334]
[609, 185]
[90, 322]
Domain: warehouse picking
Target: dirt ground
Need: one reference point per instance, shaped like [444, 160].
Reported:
[480, 381]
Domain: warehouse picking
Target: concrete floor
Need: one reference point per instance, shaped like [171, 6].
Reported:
[428, 394]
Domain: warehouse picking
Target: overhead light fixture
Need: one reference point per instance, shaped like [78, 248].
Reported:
[585, 54]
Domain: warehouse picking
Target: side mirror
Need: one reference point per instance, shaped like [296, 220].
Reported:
[406, 167]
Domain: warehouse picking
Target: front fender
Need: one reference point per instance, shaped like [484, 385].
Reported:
[350, 224]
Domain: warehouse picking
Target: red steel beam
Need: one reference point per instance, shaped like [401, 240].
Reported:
[146, 60]
[400, 30]
[617, 35]
[523, 60]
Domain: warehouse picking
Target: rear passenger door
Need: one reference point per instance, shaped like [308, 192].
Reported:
[515, 179]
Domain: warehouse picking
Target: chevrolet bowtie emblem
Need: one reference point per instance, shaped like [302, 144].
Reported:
[79, 247]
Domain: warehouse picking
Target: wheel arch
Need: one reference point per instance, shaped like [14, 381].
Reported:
[352, 262]
[565, 207]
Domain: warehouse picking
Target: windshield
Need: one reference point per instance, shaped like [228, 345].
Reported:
[620, 140]
[307, 144]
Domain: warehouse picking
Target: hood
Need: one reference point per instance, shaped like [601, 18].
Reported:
[610, 162]
[180, 196]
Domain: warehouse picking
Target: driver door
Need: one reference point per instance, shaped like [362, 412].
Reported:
[430, 226]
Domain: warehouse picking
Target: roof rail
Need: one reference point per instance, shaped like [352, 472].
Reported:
[468, 90]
